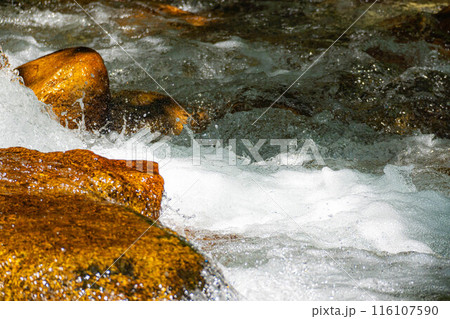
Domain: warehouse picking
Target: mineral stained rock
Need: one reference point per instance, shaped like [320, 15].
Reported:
[65, 220]
[74, 82]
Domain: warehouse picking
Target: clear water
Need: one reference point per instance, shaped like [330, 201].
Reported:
[373, 223]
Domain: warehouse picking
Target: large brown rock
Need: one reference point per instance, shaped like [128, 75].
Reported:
[85, 173]
[65, 78]
[65, 218]
[75, 83]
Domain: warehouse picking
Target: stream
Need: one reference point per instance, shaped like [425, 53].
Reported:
[365, 217]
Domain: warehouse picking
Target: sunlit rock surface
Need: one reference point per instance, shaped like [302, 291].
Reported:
[75, 82]
[85, 173]
[190, 18]
[147, 10]
[66, 217]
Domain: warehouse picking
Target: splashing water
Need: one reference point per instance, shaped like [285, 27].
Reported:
[372, 223]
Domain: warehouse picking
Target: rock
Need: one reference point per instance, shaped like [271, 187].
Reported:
[390, 59]
[83, 172]
[192, 19]
[65, 218]
[201, 120]
[145, 12]
[65, 78]
[416, 101]
[443, 17]
[75, 82]
[134, 110]
[433, 28]
[141, 20]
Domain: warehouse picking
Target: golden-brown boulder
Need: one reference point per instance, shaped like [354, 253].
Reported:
[134, 110]
[75, 82]
[85, 173]
[65, 220]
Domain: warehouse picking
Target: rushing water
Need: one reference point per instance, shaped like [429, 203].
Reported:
[372, 223]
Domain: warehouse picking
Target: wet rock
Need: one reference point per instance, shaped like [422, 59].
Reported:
[142, 12]
[443, 17]
[142, 20]
[390, 59]
[75, 82]
[85, 173]
[416, 101]
[433, 28]
[134, 110]
[66, 218]
[413, 27]
[192, 19]
[249, 98]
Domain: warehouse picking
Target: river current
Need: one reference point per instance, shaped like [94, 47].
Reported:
[370, 222]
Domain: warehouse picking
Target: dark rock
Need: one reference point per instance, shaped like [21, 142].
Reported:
[134, 110]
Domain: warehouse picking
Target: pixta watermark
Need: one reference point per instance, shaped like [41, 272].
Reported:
[289, 152]
[154, 147]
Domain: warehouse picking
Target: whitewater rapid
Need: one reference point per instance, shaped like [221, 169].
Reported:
[291, 233]
[372, 223]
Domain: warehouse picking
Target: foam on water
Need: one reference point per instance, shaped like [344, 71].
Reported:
[26, 122]
[42, 18]
[332, 209]
[300, 229]
[308, 234]
[287, 233]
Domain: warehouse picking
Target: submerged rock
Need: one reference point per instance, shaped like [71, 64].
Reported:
[443, 17]
[192, 19]
[134, 110]
[65, 219]
[415, 101]
[74, 82]
[433, 28]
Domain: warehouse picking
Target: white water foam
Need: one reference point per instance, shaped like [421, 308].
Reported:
[25, 122]
[43, 18]
[306, 234]
[304, 230]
